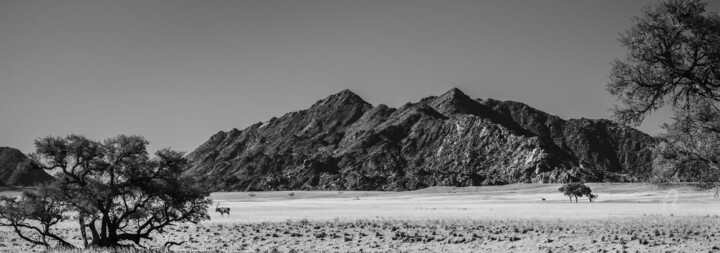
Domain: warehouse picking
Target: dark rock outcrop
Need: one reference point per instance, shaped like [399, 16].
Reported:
[17, 170]
[342, 142]
[609, 151]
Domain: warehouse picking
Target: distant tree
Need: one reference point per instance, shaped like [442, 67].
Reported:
[583, 190]
[111, 188]
[575, 190]
[569, 191]
[673, 60]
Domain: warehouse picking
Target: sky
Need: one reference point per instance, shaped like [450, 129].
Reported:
[179, 71]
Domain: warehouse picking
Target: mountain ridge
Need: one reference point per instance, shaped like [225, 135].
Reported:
[343, 142]
[17, 170]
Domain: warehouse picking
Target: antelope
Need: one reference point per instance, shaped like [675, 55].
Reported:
[222, 210]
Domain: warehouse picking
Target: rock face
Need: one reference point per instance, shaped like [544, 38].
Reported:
[16, 169]
[342, 142]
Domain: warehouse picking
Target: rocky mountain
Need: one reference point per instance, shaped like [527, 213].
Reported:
[17, 170]
[342, 142]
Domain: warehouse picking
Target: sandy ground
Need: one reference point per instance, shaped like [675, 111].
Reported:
[511, 218]
[498, 202]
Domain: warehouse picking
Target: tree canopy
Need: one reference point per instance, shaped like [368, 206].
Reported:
[112, 188]
[673, 60]
[575, 190]
[691, 147]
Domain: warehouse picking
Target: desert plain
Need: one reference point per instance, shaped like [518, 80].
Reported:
[627, 217]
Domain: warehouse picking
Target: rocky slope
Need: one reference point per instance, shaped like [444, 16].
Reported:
[16, 169]
[342, 142]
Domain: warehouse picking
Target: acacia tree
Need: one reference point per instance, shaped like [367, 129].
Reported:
[691, 147]
[575, 190]
[673, 60]
[36, 212]
[112, 188]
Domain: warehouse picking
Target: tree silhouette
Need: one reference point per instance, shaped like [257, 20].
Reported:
[575, 190]
[673, 59]
[114, 188]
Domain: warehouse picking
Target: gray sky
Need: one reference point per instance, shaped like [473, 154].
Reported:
[178, 71]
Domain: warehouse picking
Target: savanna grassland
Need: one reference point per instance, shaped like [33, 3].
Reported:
[511, 218]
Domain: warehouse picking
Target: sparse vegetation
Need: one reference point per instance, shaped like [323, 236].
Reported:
[96, 250]
[575, 190]
[660, 233]
[433, 220]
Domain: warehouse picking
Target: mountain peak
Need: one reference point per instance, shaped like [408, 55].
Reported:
[343, 143]
[451, 102]
[344, 93]
[454, 92]
[343, 97]
[453, 95]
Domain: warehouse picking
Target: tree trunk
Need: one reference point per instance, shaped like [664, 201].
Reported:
[103, 227]
[83, 233]
[95, 235]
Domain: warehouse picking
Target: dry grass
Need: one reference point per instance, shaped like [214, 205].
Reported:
[643, 234]
[128, 250]
[632, 234]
